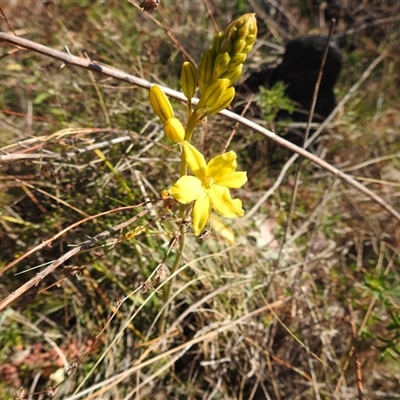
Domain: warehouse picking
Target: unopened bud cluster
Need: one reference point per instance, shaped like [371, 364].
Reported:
[220, 66]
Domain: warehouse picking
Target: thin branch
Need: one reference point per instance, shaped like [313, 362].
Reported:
[82, 246]
[300, 152]
[357, 362]
[118, 74]
[307, 133]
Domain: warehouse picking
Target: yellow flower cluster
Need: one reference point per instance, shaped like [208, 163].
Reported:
[220, 67]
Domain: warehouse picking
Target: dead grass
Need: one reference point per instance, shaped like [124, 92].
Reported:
[245, 321]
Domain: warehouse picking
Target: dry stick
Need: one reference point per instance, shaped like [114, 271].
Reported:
[4, 16]
[118, 74]
[338, 173]
[356, 358]
[234, 130]
[164, 26]
[310, 117]
[210, 15]
[41, 275]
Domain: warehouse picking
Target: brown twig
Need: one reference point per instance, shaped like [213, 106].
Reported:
[356, 358]
[316, 160]
[118, 74]
[4, 16]
[234, 130]
[163, 25]
[210, 15]
[55, 264]
[300, 164]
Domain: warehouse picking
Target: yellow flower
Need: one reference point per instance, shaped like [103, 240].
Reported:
[209, 187]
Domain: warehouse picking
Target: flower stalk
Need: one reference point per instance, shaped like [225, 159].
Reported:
[209, 186]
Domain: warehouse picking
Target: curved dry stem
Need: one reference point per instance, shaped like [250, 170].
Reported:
[55, 264]
[118, 74]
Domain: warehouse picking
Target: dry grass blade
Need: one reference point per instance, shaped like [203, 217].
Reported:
[48, 270]
[116, 379]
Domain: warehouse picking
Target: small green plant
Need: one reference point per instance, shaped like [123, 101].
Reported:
[273, 100]
[391, 346]
[385, 290]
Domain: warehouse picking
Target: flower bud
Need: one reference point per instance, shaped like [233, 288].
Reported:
[214, 92]
[188, 79]
[236, 60]
[206, 70]
[238, 46]
[174, 130]
[248, 49]
[250, 39]
[160, 103]
[221, 64]
[226, 45]
[216, 44]
[243, 29]
[233, 75]
[224, 101]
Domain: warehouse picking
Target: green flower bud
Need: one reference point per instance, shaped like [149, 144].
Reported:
[174, 130]
[225, 57]
[221, 65]
[160, 103]
[188, 79]
[226, 45]
[216, 44]
[224, 101]
[250, 39]
[247, 49]
[230, 31]
[233, 75]
[238, 46]
[206, 70]
[236, 60]
[242, 29]
[214, 92]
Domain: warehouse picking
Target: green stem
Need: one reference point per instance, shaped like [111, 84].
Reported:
[190, 126]
[167, 293]
[182, 213]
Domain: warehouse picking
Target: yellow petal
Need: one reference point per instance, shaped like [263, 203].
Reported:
[195, 160]
[201, 213]
[222, 165]
[186, 189]
[232, 181]
[223, 204]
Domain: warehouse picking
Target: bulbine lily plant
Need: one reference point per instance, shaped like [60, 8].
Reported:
[208, 186]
